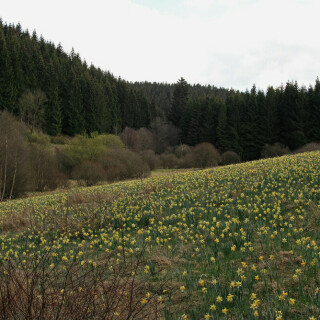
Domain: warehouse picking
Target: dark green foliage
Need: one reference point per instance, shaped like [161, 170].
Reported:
[179, 102]
[294, 116]
[80, 98]
[85, 99]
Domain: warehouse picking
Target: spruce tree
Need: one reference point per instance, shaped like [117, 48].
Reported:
[179, 102]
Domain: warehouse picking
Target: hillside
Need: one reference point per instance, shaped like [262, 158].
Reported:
[59, 93]
[76, 98]
[239, 241]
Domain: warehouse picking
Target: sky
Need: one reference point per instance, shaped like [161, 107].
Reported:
[226, 43]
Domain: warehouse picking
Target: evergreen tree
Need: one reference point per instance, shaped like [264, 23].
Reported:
[180, 98]
[53, 112]
[293, 117]
[313, 121]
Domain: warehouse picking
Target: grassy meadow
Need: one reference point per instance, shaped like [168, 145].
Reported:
[233, 242]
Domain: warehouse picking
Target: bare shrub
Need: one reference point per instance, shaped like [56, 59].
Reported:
[149, 157]
[230, 157]
[275, 150]
[168, 161]
[312, 146]
[130, 138]
[32, 108]
[145, 138]
[44, 170]
[203, 155]
[42, 290]
[121, 164]
[182, 150]
[14, 171]
[89, 172]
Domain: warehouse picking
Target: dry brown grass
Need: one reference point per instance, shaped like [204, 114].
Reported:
[314, 218]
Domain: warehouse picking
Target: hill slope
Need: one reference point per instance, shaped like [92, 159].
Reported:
[241, 241]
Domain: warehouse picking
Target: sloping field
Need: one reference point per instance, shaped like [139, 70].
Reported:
[234, 242]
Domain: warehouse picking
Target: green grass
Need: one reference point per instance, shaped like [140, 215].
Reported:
[249, 232]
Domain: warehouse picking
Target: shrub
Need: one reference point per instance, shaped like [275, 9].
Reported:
[275, 150]
[182, 150]
[122, 164]
[312, 146]
[168, 161]
[45, 173]
[130, 138]
[149, 157]
[145, 139]
[89, 172]
[14, 171]
[59, 140]
[203, 155]
[81, 148]
[230, 157]
[109, 141]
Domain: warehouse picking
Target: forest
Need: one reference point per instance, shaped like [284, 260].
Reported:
[60, 95]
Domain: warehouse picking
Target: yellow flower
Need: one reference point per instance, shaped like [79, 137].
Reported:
[253, 296]
[219, 299]
[224, 311]
[230, 297]
[182, 288]
[212, 307]
[201, 282]
[292, 301]
[207, 316]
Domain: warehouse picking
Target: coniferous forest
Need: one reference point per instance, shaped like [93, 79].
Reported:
[59, 93]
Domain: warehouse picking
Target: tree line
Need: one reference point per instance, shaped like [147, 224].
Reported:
[245, 122]
[59, 92]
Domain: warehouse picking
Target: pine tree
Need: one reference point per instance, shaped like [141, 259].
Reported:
[53, 108]
[7, 88]
[313, 121]
[293, 122]
[180, 98]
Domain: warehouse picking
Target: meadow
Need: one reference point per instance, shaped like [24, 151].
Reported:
[234, 242]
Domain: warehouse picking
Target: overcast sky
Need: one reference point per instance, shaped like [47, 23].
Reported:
[228, 43]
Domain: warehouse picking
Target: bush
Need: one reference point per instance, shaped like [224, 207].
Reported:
[168, 161]
[45, 173]
[82, 148]
[109, 141]
[203, 155]
[149, 157]
[312, 146]
[14, 171]
[182, 150]
[130, 138]
[145, 139]
[230, 157]
[275, 150]
[121, 164]
[59, 140]
[89, 172]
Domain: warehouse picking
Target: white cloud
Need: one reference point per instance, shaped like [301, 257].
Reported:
[199, 4]
[250, 41]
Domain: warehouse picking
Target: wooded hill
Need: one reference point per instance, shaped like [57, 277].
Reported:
[78, 98]
[60, 93]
